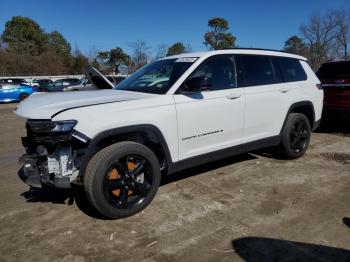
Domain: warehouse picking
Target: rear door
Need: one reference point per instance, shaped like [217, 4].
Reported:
[211, 120]
[266, 96]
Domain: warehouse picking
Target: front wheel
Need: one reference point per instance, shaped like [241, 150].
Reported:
[295, 136]
[122, 179]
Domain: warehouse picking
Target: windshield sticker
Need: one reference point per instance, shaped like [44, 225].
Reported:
[186, 60]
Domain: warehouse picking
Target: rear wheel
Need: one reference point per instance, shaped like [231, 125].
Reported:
[122, 179]
[23, 96]
[295, 136]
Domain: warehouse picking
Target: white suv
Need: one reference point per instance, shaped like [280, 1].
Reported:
[172, 114]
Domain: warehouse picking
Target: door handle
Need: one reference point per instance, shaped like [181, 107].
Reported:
[233, 96]
[283, 90]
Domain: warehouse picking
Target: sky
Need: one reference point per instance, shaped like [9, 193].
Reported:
[102, 25]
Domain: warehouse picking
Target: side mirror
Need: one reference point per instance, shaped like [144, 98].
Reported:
[197, 84]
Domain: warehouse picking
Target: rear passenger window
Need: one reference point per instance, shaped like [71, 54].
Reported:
[259, 70]
[291, 69]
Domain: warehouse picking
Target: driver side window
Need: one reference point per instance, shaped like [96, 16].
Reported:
[218, 72]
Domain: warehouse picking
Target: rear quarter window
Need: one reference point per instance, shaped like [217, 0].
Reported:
[291, 69]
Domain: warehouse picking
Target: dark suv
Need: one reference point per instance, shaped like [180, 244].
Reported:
[335, 79]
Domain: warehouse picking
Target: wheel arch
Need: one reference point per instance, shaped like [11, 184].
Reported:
[302, 107]
[23, 93]
[146, 134]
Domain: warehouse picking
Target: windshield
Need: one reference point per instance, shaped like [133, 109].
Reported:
[157, 77]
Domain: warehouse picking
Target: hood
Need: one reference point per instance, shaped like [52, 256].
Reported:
[45, 105]
[97, 79]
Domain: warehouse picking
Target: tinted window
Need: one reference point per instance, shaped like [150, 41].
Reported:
[259, 70]
[335, 70]
[291, 69]
[219, 70]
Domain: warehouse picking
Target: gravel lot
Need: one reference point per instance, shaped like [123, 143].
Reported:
[247, 208]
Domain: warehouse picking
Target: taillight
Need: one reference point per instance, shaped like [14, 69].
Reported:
[319, 86]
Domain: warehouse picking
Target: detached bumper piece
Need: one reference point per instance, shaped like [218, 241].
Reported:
[30, 173]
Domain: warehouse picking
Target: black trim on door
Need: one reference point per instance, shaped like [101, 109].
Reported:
[224, 153]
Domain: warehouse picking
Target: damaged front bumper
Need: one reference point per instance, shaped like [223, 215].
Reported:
[51, 160]
[55, 169]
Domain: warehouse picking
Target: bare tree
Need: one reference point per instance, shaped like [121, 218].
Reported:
[160, 51]
[140, 55]
[92, 53]
[343, 36]
[322, 35]
[188, 48]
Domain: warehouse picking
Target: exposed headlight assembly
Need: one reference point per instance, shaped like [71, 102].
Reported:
[47, 127]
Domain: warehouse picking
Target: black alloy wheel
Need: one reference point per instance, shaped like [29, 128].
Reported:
[122, 179]
[299, 136]
[128, 181]
[295, 136]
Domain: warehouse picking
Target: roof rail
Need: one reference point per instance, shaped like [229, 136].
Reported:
[252, 48]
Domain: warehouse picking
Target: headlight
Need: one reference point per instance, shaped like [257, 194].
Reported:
[44, 127]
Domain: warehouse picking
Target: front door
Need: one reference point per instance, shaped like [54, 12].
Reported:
[213, 119]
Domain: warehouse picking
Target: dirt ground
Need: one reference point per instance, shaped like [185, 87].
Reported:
[246, 208]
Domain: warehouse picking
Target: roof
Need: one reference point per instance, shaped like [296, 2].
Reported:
[255, 51]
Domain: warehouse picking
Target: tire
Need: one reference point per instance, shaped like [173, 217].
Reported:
[124, 194]
[23, 96]
[295, 136]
